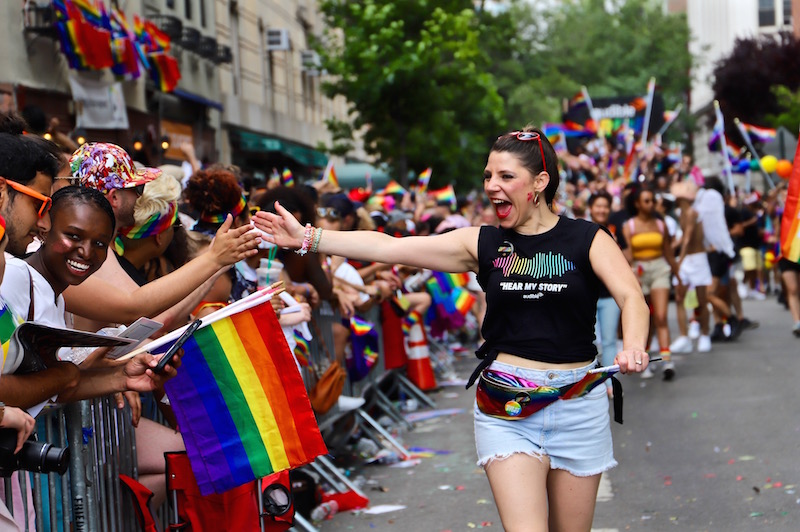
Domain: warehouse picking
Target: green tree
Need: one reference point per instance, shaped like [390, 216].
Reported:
[415, 78]
[611, 46]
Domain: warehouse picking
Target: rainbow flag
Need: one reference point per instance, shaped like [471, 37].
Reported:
[241, 403]
[360, 327]
[302, 350]
[287, 179]
[759, 134]
[424, 180]
[790, 222]
[330, 175]
[393, 187]
[588, 383]
[462, 300]
[445, 195]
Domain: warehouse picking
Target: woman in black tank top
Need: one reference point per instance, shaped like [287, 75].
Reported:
[541, 274]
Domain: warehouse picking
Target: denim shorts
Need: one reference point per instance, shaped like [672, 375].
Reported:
[574, 434]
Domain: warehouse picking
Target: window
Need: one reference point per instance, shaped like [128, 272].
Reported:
[766, 12]
[202, 13]
[787, 12]
[188, 6]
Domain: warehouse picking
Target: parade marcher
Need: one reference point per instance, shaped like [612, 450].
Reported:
[541, 273]
[694, 271]
[650, 253]
[607, 309]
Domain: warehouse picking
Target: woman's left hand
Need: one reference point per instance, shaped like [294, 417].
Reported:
[632, 360]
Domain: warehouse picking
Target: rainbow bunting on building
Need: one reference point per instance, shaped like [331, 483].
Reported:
[790, 222]
[302, 349]
[445, 195]
[759, 134]
[241, 403]
[287, 179]
[424, 180]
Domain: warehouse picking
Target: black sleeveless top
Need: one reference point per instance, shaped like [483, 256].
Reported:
[541, 292]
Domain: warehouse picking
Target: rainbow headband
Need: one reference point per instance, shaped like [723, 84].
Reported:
[220, 217]
[155, 225]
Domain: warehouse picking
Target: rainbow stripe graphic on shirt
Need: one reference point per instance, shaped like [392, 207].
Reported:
[540, 265]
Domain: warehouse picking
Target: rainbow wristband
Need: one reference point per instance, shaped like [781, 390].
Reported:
[306, 240]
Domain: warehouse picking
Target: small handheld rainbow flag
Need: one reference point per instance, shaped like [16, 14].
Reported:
[330, 175]
[424, 180]
[241, 403]
[759, 134]
[287, 179]
[302, 350]
[462, 300]
[393, 187]
[445, 195]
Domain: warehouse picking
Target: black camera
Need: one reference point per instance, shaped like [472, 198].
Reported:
[36, 456]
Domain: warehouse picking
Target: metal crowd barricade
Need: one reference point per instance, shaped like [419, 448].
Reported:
[89, 495]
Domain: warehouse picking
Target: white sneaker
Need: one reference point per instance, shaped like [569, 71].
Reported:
[694, 330]
[682, 344]
[756, 295]
[347, 403]
[726, 330]
[669, 370]
[647, 373]
[704, 344]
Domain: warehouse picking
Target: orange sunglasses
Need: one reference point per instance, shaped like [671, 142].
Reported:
[28, 191]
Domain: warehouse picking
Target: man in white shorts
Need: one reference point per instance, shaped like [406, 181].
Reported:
[694, 270]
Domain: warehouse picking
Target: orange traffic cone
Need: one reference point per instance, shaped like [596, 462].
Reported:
[419, 368]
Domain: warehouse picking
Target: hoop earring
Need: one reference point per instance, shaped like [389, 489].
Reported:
[536, 199]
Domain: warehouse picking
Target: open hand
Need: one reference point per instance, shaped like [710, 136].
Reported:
[232, 245]
[281, 229]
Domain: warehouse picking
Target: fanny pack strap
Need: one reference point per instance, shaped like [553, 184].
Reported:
[616, 387]
[487, 354]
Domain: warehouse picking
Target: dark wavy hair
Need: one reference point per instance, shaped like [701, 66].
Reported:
[73, 195]
[530, 155]
[633, 197]
[600, 194]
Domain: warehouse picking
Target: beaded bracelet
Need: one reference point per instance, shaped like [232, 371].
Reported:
[317, 237]
[306, 240]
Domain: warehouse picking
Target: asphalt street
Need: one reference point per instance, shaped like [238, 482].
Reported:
[714, 449]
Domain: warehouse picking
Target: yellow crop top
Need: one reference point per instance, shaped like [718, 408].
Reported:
[648, 245]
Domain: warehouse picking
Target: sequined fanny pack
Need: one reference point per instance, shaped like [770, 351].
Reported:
[506, 396]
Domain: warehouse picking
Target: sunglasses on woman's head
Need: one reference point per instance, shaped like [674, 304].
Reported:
[28, 191]
[531, 135]
[328, 212]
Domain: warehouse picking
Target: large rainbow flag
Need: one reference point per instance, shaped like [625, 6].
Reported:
[8, 324]
[240, 402]
[790, 222]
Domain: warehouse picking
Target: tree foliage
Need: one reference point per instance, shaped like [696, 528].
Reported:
[414, 75]
[746, 81]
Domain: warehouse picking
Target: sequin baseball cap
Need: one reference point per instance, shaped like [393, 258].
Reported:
[105, 166]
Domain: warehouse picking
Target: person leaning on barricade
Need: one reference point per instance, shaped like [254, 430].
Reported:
[539, 325]
[110, 170]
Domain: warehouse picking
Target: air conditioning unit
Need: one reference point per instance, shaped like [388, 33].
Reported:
[278, 40]
[310, 61]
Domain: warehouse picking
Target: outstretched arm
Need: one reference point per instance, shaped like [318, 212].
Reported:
[454, 251]
[612, 269]
[98, 300]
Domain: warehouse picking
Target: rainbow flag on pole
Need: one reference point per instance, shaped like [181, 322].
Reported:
[759, 134]
[445, 195]
[330, 175]
[424, 180]
[393, 187]
[241, 403]
[790, 222]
